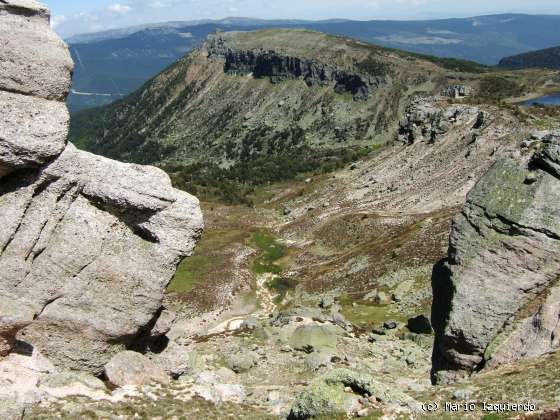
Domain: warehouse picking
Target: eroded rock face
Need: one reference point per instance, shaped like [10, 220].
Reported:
[35, 69]
[457, 91]
[279, 67]
[497, 298]
[87, 244]
[426, 120]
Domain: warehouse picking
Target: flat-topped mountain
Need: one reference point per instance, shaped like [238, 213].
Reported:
[112, 64]
[263, 106]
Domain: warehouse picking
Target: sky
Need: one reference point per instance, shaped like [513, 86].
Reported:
[71, 17]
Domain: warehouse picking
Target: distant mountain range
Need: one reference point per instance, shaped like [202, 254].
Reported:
[111, 64]
[548, 59]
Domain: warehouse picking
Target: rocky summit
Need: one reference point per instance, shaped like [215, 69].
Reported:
[348, 191]
[88, 245]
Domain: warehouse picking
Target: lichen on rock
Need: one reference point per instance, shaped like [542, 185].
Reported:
[88, 245]
[496, 299]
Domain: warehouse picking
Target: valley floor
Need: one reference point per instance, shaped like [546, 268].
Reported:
[321, 275]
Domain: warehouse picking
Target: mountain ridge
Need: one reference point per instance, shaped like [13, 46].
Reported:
[242, 109]
[120, 66]
[548, 58]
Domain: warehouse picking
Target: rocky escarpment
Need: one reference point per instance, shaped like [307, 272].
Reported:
[457, 91]
[497, 299]
[280, 67]
[87, 244]
[426, 120]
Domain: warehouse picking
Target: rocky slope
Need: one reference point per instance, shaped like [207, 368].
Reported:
[245, 107]
[496, 300]
[315, 300]
[548, 58]
[88, 245]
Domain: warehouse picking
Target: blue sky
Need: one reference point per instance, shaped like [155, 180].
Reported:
[73, 16]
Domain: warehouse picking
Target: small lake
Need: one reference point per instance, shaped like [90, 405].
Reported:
[544, 100]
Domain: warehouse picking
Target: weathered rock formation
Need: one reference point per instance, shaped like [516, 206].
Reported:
[497, 299]
[457, 91]
[426, 120]
[279, 67]
[87, 245]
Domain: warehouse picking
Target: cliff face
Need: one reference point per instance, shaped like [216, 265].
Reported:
[249, 108]
[87, 244]
[280, 67]
[497, 299]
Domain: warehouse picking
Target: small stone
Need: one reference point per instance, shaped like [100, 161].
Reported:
[390, 325]
[316, 361]
[131, 368]
[250, 324]
[420, 325]
[241, 361]
[463, 394]
[348, 390]
[378, 331]
[531, 178]
[336, 359]
[364, 412]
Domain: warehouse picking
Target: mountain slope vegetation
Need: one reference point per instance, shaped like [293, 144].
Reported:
[548, 58]
[115, 63]
[249, 108]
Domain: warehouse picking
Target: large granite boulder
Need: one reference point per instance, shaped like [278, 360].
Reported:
[497, 299]
[87, 245]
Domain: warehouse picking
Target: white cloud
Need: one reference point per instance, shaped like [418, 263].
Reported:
[119, 8]
[58, 20]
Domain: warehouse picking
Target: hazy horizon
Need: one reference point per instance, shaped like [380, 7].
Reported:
[71, 18]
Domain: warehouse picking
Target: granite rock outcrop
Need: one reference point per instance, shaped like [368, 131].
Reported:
[497, 298]
[88, 245]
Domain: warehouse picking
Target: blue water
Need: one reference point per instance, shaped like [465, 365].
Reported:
[544, 100]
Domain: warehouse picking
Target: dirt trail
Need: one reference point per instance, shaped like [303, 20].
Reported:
[265, 299]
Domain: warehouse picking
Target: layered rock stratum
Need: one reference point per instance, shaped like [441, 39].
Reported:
[88, 245]
[496, 300]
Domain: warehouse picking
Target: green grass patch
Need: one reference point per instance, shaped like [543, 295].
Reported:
[189, 273]
[270, 251]
[365, 314]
